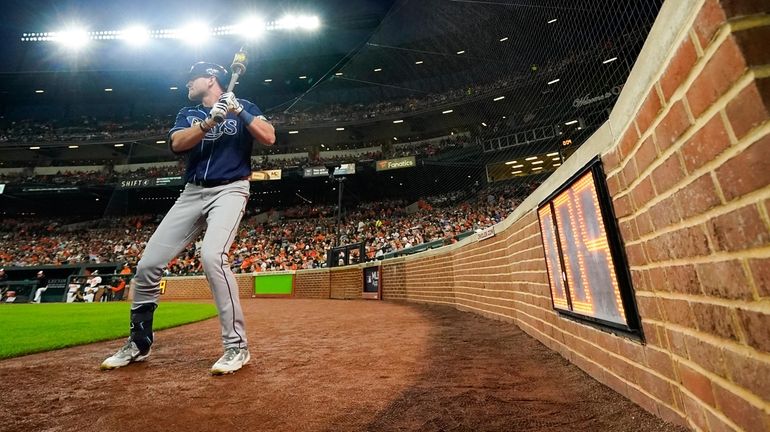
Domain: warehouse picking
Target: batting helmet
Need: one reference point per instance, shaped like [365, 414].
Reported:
[204, 69]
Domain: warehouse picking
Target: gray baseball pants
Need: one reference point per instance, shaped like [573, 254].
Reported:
[219, 210]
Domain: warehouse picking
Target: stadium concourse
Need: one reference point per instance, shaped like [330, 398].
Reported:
[546, 215]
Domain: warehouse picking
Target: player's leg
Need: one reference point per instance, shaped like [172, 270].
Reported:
[224, 210]
[179, 227]
[38, 294]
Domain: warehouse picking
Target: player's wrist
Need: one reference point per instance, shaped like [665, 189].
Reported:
[204, 125]
[246, 116]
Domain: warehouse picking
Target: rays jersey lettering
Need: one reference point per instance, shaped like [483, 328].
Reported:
[224, 153]
[229, 127]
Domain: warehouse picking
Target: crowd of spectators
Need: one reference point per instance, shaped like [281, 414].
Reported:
[301, 238]
[106, 175]
[84, 129]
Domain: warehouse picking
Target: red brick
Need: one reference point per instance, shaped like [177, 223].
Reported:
[760, 272]
[642, 400]
[677, 312]
[716, 424]
[629, 172]
[656, 386]
[611, 160]
[622, 206]
[631, 350]
[642, 193]
[756, 325]
[747, 110]
[672, 126]
[738, 230]
[697, 197]
[747, 171]
[749, 372]
[694, 411]
[715, 319]
[627, 142]
[676, 343]
[706, 144]
[688, 242]
[679, 68]
[664, 213]
[740, 411]
[706, 355]
[725, 279]
[648, 308]
[660, 362]
[708, 21]
[722, 70]
[651, 335]
[628, 230]
[682, 279]
[646, 153]
[648, 111]
[644, 223]
[668, 174]
[697, 383]
[635, 255]
[613, 185]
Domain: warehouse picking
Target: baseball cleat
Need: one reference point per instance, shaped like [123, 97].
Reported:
[232, 360]
[129, 353]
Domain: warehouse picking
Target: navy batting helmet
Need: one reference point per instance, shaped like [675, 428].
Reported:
[204, 69]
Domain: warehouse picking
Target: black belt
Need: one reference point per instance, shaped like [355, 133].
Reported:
[213, 183]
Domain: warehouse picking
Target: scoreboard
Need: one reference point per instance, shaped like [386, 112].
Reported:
[587, 269]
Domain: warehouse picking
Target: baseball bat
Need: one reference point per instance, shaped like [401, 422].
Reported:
[237, 69]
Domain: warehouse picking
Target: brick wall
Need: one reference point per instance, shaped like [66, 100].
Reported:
[346, 282]
[313, 284]
[688, 170]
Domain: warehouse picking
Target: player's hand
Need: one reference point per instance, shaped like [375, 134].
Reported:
[218, 112]
[232, 102]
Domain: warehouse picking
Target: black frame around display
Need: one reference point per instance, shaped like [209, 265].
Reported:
[632, 326]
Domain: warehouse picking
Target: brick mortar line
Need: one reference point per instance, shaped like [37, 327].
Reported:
[734, 347]
[489, 304]
[679, 93]
[752, 305]
[754, 197]
[751, 398]
[761, 71]
[760, 252]
[742, 23]
[713, 410]
[721, 103]
[502, 291]
[494, 298]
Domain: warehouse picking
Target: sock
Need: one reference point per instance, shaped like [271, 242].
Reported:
[141, 326]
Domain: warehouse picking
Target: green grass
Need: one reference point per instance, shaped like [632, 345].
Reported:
[30, 328]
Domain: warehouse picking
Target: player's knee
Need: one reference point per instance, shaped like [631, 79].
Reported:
[213, 258]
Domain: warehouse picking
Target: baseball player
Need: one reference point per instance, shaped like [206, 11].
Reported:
[216, 136]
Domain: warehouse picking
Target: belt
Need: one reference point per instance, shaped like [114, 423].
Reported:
[213, 183]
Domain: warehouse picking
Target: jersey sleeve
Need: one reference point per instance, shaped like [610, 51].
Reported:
[180, 123]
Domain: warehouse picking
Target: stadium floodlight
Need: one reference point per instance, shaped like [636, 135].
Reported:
[510, 162]
[447, 111]
[73, 146]
[160, 142]
[338, 74]
[173, 88]
[303, 77]
[340, 128]
[418, 62]
[461, 52]
[72, 38]
[35, 148]
[609, 60]
[553, 154]
[108, 90]
[293, 22]
[118, 145]
[251, 28]
[293, 132]
[552, 21]
[39, 91]
[504, 39]
[309, 22]
[518, 166]
[539, 162]
[498, 98]
[268, 80]
[571, 122]
[531, 158]
[193, 33]
[483, 124]
[516, 172]
[378, 69]
[135, 35]
[398, 121]
[554, 81]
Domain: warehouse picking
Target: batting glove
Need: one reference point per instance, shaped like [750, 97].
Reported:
[218, 112]
[232, 103]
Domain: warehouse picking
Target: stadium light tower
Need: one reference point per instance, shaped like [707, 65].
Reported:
[72, 38]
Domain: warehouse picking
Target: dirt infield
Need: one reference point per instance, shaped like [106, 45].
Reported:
[322, 365]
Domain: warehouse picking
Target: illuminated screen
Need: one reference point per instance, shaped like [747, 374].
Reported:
[270, 284]
[581, 268]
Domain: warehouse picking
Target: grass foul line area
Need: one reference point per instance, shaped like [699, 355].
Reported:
[31, 328]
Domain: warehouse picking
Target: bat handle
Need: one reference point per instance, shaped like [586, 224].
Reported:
[233, 80]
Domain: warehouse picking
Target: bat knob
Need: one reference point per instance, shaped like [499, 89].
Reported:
[218, 119]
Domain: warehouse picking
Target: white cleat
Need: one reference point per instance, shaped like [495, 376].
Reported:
[129, 353]
[232, 360]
